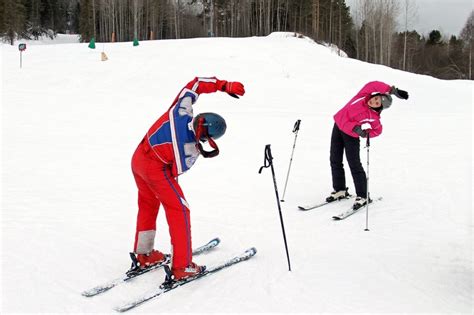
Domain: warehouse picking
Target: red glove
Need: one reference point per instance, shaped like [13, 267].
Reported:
[234, 88]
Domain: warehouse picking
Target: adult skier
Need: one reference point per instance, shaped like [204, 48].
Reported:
[170, 147]
[360, 117]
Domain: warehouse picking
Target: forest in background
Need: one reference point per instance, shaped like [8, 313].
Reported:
[370, 34]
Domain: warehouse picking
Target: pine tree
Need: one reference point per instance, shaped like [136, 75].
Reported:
[86, 20]
[12, 20]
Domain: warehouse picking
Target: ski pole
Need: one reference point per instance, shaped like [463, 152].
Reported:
[268, 162]
[367, 145]
[296, 128]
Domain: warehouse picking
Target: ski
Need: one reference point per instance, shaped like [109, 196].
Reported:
[169, 285]
[319, 205]
[351, 211]
[131, 274]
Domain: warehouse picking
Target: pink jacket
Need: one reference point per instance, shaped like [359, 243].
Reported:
[357, 111]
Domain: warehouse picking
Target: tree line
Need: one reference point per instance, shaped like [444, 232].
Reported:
[370, 34]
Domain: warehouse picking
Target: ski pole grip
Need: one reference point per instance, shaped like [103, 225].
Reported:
[267, 159]
[268, 154]
[368, 140]
[297, 125]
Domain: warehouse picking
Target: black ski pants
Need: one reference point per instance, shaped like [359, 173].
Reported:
[340, 142]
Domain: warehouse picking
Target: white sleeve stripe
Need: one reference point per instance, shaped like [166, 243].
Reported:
[195, 86]
[207, 80]
[175, 142]
[184, 91]
[357, 100]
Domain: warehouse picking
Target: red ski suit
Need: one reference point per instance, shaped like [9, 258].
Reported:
[168, 150]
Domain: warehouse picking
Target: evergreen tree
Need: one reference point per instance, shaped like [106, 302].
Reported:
[12, 19]
[86, 20]
[434, 38]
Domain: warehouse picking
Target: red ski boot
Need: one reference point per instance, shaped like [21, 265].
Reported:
[150, 259]
[187, 272]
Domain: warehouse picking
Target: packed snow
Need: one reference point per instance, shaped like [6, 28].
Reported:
[71, 122]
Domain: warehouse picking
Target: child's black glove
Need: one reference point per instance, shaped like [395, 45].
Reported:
[399, 93]
[358, 130]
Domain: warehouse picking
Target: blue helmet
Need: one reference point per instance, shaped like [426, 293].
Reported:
[209, 125]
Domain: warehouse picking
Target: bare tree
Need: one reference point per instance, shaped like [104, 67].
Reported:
[410, 11]
[390, 11]
[367, 9]
[357, 22]
[468, 37]
[315, 19]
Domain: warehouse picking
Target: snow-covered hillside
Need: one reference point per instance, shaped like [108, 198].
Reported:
[70, 124]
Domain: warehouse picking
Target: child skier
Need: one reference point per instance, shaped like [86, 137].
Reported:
[170, 148]
[360, 117]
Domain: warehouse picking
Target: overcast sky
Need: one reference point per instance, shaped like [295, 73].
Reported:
[447, 16]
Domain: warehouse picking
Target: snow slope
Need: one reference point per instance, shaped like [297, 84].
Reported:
[70, 124]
